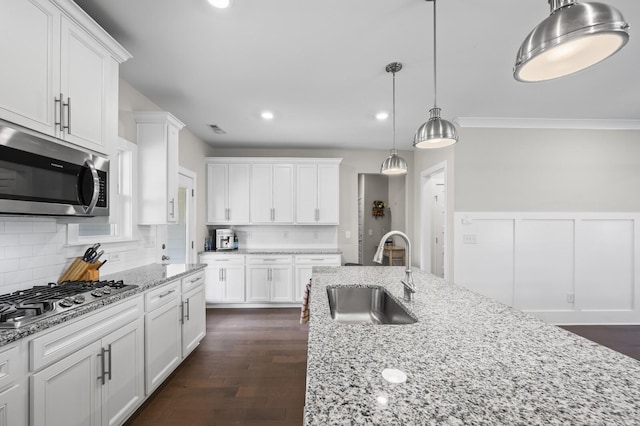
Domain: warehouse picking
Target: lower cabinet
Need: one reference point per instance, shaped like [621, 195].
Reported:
[304, 268]
[13, 407]
[224, 277]
[163, 333]
[194, 313]
[98, 384]
[13, 391]
[269, 279]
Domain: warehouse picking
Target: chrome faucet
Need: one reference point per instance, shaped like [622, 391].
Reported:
[409, 286]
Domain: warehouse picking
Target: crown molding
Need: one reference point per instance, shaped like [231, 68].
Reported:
[546, 123]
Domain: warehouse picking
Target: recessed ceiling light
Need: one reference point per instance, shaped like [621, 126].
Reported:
[382, 115]
[267, 115]
[220, 4]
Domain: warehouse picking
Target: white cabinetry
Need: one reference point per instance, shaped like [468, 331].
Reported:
[157, 167]
[224, 277]
[304, 267]
[317, 193]
[90, 371]
[271, 193]
[163, 337]
[228, 192]
[13, 393]
[63, 78]
[269, 279]
[194, 312]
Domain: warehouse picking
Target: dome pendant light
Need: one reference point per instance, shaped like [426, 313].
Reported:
[394, 164]
[574, 37]
[436, 132]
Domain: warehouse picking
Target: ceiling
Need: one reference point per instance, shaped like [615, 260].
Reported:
[320, 67]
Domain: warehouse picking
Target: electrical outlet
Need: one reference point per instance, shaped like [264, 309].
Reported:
[469, 239]
[347, 234]
[114, 257]
[571, 298]
[371, 232]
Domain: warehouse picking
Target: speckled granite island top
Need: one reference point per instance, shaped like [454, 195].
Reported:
[468, 360]
[145, 277]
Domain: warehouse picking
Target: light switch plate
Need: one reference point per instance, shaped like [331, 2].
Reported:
[347, 234]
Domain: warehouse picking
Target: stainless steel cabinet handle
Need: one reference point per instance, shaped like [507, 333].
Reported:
[188, 308]
[109, 351]
[102, 375]
[195, 280]
[167, 293]
[173, 208]
[182, 313]
[68, 105]
[317, 215]
[58, 116]
[220, 274]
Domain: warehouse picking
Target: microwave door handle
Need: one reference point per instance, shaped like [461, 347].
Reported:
[96, 186]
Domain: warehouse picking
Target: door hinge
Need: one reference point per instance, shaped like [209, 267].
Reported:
[193, 192]
[192, 244]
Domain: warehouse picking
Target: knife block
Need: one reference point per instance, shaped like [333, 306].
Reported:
[79, 270]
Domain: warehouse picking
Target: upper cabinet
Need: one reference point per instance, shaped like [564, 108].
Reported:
[273, 191]
[318, 193]
[228, 192]
[157, 167]
[63, 78]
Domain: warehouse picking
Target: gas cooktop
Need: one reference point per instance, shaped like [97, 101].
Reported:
[27, 306]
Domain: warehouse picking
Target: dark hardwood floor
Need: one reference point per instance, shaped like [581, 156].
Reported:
[250, 370]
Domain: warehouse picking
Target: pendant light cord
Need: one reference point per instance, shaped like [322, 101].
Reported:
[435, 68]
[394, 110]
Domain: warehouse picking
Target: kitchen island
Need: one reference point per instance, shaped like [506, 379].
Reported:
[468, 360]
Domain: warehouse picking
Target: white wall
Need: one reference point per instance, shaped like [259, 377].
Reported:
[354, 162]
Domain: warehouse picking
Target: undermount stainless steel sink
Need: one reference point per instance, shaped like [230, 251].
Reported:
[366, 305]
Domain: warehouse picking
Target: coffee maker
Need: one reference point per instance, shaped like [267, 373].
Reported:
[224, 239]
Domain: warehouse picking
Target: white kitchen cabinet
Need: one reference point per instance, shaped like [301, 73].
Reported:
[194, 312]
[100, 383]
[272, 193]
[269, 279]
[157, 167]
[163, 336]
[224, 277]
[318, 193]
[304, 268]
[13, 394]
[63, 78]
[228, 193]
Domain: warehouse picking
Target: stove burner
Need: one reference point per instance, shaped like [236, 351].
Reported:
[25, 306]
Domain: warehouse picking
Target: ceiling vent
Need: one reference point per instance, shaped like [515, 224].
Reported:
[217, 129]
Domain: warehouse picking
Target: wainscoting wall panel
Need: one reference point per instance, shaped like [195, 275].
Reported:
[565, 268]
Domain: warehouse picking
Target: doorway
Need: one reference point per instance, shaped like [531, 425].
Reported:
[433, 221]
[181, 236]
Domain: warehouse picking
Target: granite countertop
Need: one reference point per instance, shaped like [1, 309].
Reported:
[145, 277]
[273, 251]
[468, 359]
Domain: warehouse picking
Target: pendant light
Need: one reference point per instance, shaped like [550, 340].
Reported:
[574, 37]
[394, 164]
[436, 132]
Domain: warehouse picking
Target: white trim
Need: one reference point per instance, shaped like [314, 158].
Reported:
[546, 123]
[270, 160]
[192, 256]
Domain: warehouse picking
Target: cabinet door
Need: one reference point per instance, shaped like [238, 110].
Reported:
[306, 193]
[123, 390]
[283, 193]
[172, 174]
[262, 190]
[258, 283]
[30, 76]
[66, 393]
[328, 194]
[217, 187]
[214, 284]
[281, 289]
[13, 407]
[194, 324]
[163, 345]
[302, 277]
[234, 287]
[239, 203]
[85, 73]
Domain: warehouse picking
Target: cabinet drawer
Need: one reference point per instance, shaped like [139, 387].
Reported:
[63, 341]
[192, 281]
[9, 365]
[321, 259]
[268, 260]
[162, 295]
[218, 260]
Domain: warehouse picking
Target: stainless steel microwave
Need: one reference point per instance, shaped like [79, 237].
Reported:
[41, 176]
